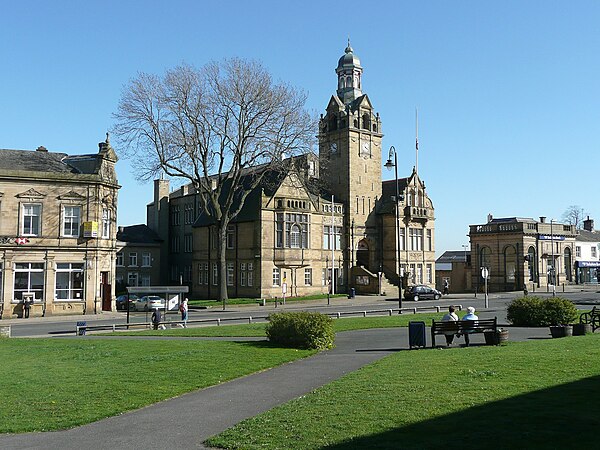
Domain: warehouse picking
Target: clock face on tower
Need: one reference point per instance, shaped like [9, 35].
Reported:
[333, 147]
[365, 148]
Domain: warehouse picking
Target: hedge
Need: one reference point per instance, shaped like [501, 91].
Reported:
[305, 330]
[537, 312]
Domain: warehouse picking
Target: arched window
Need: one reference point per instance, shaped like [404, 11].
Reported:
[333, 123]
[532, 263]
[375, 127]
[567, 258]
[510, 266]
[485, 257]
[295, 236]
[366, 121]
[355, 123]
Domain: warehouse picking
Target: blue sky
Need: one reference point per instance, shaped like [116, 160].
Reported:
[508, 91]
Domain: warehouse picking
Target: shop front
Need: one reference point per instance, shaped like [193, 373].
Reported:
[588, 272]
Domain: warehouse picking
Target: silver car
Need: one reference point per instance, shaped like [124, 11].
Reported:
[148, 303]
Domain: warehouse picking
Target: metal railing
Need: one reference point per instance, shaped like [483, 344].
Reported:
[81, 330]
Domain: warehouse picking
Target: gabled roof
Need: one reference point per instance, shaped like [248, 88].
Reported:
[452, 256]
[138, 234]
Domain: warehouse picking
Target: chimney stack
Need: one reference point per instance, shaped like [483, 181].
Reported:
[41, 148]
[542, 219]
[588, 224]
[490, 217]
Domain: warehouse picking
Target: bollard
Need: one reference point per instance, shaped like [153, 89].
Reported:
[218, 322]
[437, 309]
[339, 315]
[250, 319]
[364, 314]
[414, 310]
[390, 311]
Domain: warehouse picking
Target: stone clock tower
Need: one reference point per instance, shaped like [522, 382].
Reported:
[350, 154]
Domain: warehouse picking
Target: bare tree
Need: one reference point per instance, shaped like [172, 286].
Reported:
[212, 127]
[574, 215]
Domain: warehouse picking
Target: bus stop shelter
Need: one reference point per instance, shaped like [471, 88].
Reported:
[173, 295]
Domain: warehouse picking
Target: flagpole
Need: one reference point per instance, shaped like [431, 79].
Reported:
[417, 140]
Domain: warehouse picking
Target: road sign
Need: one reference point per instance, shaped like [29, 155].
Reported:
[485, 273]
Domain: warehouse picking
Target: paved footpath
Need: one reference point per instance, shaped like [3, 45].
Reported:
[186, 421]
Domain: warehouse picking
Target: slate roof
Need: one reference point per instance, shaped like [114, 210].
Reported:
[138, 234]
[44, 161]
[269, 184]
[452, 256]
[588, 236]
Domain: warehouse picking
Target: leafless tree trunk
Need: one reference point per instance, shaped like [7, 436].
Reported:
[219, 128]
[574, 215]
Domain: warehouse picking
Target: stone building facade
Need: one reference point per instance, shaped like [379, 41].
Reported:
[521, 253]
[326, 223]
[138, 257]
[57, 231]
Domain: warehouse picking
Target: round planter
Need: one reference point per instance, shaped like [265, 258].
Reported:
[579, 329]
[495, 337]
[558, 331]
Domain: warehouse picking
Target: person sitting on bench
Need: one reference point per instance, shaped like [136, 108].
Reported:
[470, 316]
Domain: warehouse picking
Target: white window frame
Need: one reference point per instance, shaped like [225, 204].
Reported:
[146, 259]
[119, 259]
[145, 280]
[133, 262]
[75, 276]
[250, 274]
[31, 268]
[33, 211]
[307, 276]
[132, 279]
[230, 273]
[215, 276]
[276, 276]
[71, 222]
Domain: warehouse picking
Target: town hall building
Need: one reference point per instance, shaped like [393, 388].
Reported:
[324, 223]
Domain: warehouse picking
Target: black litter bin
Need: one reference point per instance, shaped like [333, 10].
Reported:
[416, 334]
[81, 327]
[352, 293]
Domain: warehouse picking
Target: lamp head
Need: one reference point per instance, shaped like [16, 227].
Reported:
[389, 164]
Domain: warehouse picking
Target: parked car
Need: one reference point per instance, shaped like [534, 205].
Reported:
[421, 292]
[121, 302]
[148, 303]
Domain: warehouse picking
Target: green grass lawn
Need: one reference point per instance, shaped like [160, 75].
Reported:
[536, 394]
[50, 384]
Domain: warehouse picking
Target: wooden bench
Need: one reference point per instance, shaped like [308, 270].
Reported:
[463, 327]
[592, 318]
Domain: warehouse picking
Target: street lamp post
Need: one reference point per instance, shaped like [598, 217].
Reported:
[389, 164]
[553, 270]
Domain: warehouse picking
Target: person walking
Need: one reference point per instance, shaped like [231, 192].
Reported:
[450, 317]
[446, 287]
[184, 308]
[470, 316]
[156, 318]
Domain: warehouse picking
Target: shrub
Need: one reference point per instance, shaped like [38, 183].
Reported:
[303, 330]
[537, 312]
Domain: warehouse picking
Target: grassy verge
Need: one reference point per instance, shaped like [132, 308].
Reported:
[51, 384]
[254, 301]
[535, 394]
[258, 329]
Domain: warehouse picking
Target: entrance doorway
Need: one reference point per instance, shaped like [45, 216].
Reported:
[105, 291]
[362, 254]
